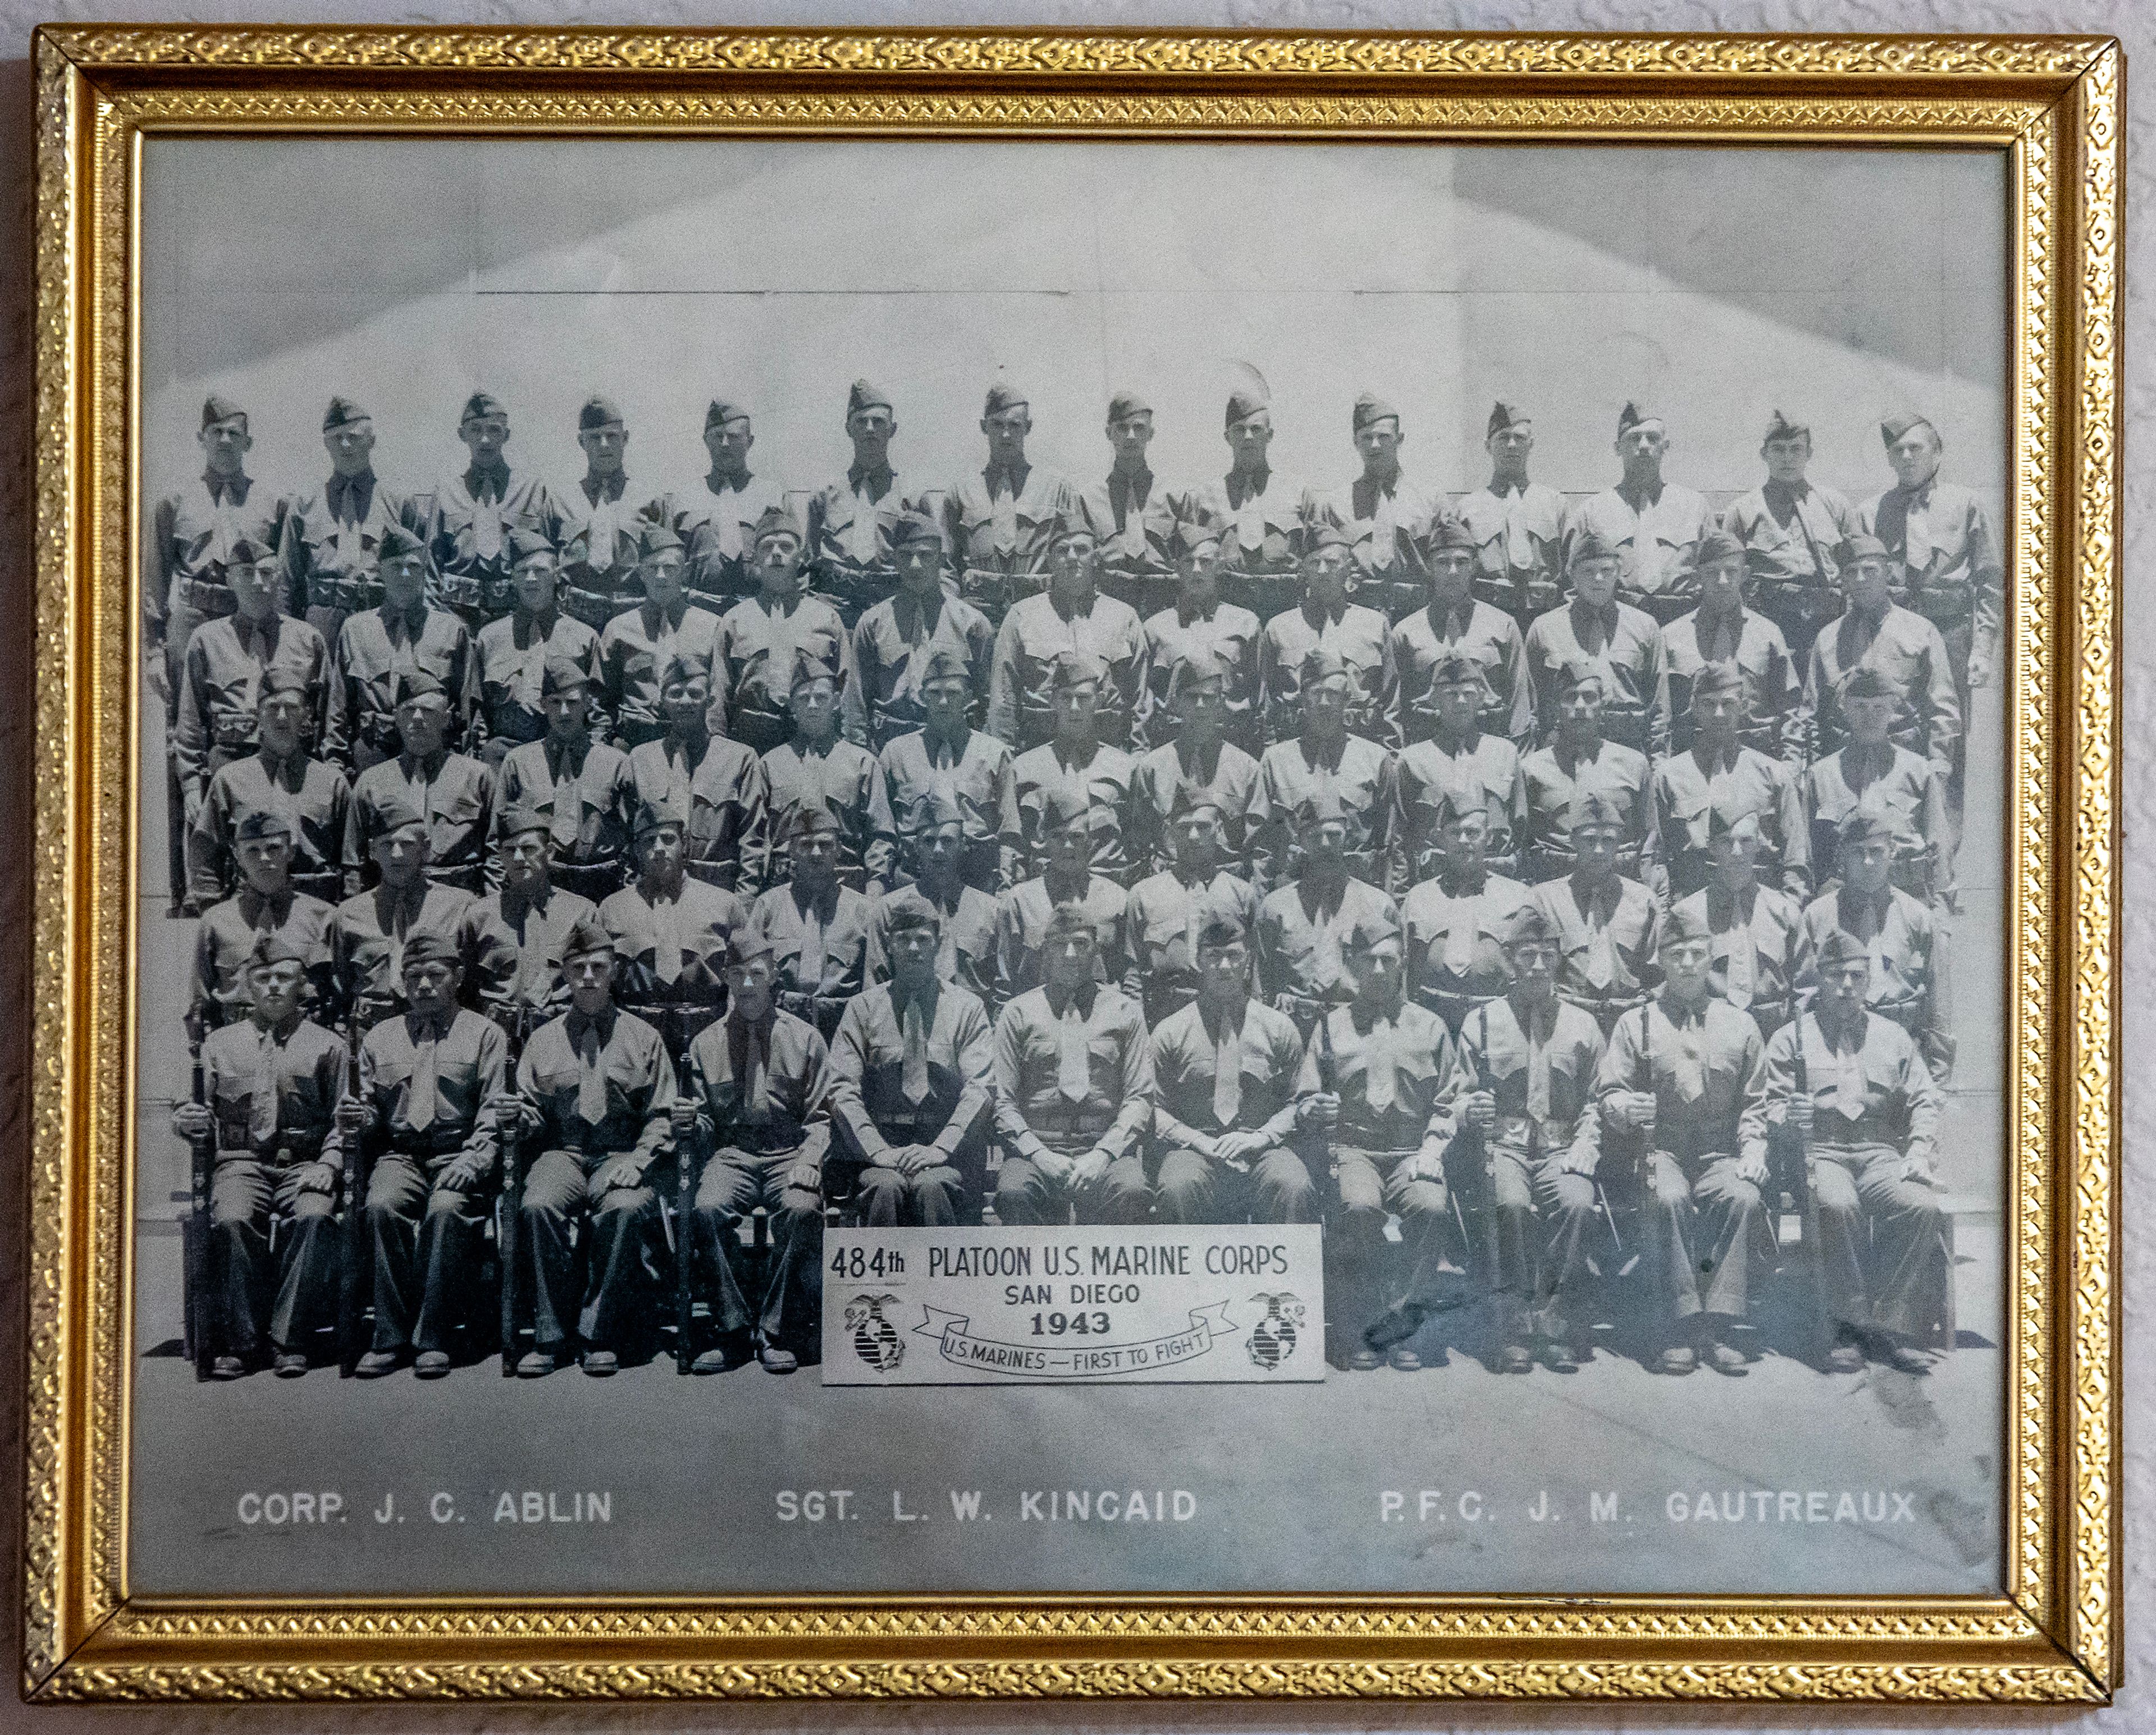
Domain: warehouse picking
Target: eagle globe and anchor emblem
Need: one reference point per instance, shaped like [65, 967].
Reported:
[1272, 1338]
[875, 1338]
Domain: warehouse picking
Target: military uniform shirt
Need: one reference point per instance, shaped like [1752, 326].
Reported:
[724, 796]
[329, 543]
[1103, 782]
[1480, 631]
[600, 523]
[1186, 1069]
[891, 644]
[820, 946]
[1687, 796]
[516, 944]
[585, 788]
[509, 660]
[672, 950]
[1610, 941]
[976, 775]
[469, 1062]
[636, 644]
[868, 1069]
[1773, 689]
[374, 650]
[1908, 964]
[1023, 914]
[844, 778]
[303, 1066]
[1873, 1095]
[759, 644]
[851, 521]
[455, 794]
[1358, 773]
[1258, 524]
[1227, 774]
[1656, 538]
[1792, 535]
[366, 937]
[312, 798]
[763, 1087]
[717, 529]
[469, 518]
[1519, 537]
[226, 935]
[1484, 772]
[1300, 936]
[225, 662]
[1907, 651]
[966, 939]
[191, 531]
[636, 1074]
[1386, 519]
[1697, 1064]
[1629, 656]
[1752, 956]
[991, 526]
[1166, 915]
[1174, 641]
[1136, 519]
[1455, 933]
[1115, 1111]
[1554, 778]
[1543, 1074]
[1940, 539]
[1034, 633]
[1397, 1074]
[1361, 638]
[1909, 793]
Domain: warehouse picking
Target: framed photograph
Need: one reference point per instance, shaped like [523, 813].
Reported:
[967, 864]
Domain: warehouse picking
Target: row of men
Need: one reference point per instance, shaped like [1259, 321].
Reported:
[1493, 1146]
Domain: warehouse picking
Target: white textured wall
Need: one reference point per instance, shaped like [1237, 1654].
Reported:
[2137, 1709]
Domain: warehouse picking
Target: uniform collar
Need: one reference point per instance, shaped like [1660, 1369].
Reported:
[1083, 997]
[476, 481]
[598, 492]
[879, 479]
[236, 486]
[437, 1026]
[603, 1023]
[358, 489]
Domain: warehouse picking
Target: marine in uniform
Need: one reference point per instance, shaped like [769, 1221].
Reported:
[509, 656]
[948, 757]
[852, 519]
[1071, 615]
[1751, 926]
[1791, 531]
[453, 792]
[1026, 914]
[1517, 524]
[1167, 911]
[1610, 926]
[1226, 1116]
[1456, 757]
[1904, 788]
[965, 914]
[1199, 761]
[1528, 1127]
[1854, 1087]
[1133, 514]
[1457, 913]
[518, 933]
[1654, 526]
[1722, 629]
[1578, 760]
[266, 903]
[762, 640]
[669, 931]
[271, 1083]
[913, 1083]
[583, 785]
[1386, 515]
[717, 523]
[279, 776]
[718, 784]
[1074, 760]
[423, 1109]
[1674, 1078]
[331, 542]
[377, 647]
[1303, 925]
[595, 1095]
[600, 529]
[819, 768]
[816, 926]
[1200, 626]
[1382, 1079]
[1074, 1090]
[471, 512]
[1453, 622]
[1359, 638]
[1324, 760]
[893, 640]
[757, 1097]
[638, 643]
[367, 932]
[1258, 515]
[999, 518]
[1905, 649]
[1719, 773]
[1617, 640]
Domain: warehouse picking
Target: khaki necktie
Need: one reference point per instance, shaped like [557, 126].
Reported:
[756, 1068]
[1383, 542]
[565, 824]
[666, 939]
[599, 537]
[1380, 1082]
[1743, 971]
[1250, 526]
[220, 525]
[1519, 547]
[591, 1078]
[1688, 1066]
[486, 521]
[1004, 506]
[1074, 1071]
[1228, 1077]
[913, 1065]
[1849, 1088]
[1601, 951]
[420, 1105]
[1539, 1078]
[1193, 918]
[262, 1102]
[860, 541]
[1460, 939]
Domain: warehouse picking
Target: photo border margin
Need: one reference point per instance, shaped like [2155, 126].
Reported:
[2054, 105]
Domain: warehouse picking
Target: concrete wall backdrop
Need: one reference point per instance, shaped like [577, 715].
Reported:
[1785, 294]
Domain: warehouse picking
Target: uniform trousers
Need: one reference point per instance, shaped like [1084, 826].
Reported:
[1366, 1276]
[599, 1286]
[1708, 1234]
[1273, 1187]
[426, 1241]
[1534, 1227]
[780, 1306]
[1883, 1260]
[1025, 1193]
[937, 1197]
[284, 1294]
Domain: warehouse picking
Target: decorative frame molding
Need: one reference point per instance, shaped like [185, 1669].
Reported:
[2055, 106]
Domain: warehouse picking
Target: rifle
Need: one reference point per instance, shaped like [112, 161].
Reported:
[355, 1221]
[509, 1222]
[684, 1171]
[201, 1307]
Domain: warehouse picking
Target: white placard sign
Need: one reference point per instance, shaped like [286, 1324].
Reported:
[1208, 1304]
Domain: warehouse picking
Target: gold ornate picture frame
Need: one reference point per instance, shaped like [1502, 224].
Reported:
[2052, 108]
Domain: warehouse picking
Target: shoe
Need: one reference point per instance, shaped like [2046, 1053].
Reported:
[715, 1361]
[776, 1360]
[1845, 1358]
[1515, 1359]
[1724, 1359]
[600, 1362]
[290, 1364]
[1678, 1358]
[1403, 1358]
[537, 1364]
[1366, 1361]
[433, 1364]
[376, 1362]
[1902, 1359]
[1561, 1357]
[228, 1367]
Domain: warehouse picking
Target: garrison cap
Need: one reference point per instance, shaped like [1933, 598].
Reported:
[1717, 545]
[282, 679]
[1069, 921]
[482, 403]
[1126, 404]
[1724, 677]
[342, 412]
[1590, 545]
[1062, 808]
[1074, 668]
[1193, 798]
[527, 544]
[746, 945]
[1320, 664]
[522, 816]
[1450, 531]
[1683, 924]
[396, 811]
[908, 910]
[916, 529]
[1245, 401]
[427, 948]
[1325, 532]
[721, 412]
[1864, 823]
[808, 668]
[1454, 668]
[418, 684]
[655, 815]
[563, 674]
[1318, 807]
[655, 539]
[1895, 426]
[276, 947]
[585, 938]
[1530, 922]
[218, 408]
[1594, 811]
[1841, 947]
[1370, 932]
[1781, 427]
[1723, 822]
[946, 662]
[1631, 416]
[1867, 682]
[1203, 667]
[938, 809]
[1456, 806]
[777, 519]
[1192, 534]
[1221, 929]
[678, 667]
[861, 395]
[598, 411]
[1576, 671]
[809, 818]
[1860, 547]
[1073, 518]
[397, 542]
[246, 551]
[1370, 407]
[1003, 396]
[1503, 415]
[259, 822]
